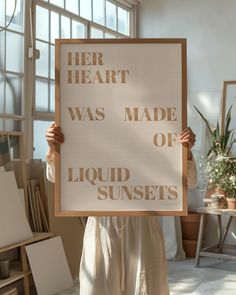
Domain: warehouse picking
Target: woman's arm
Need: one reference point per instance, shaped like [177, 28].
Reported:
[54, 136]
[188, 137]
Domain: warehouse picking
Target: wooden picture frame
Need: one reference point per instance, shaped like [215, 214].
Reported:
[228, 99]
[174, 54]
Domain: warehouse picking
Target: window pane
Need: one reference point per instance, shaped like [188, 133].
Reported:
[123, 21]
[14, 144]
[13, 94]
[109, 36]
[52, 97]
[42, 62]
[96, 33]
[2, 50]
[41, 95]
[98, 11]
[78, 30]
[54, 26]
[65, 27]
[1, 93]
[40, 143]
[85, 9]
[17, 21]
[14, 52]
[2, 13]
[52, 65]
[73, 6]
[58, 3]
[110, 15]
[42, 23]
[12, 125]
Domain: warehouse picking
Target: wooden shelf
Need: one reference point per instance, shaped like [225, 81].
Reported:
[14, 276]
[20, 269]
[37, 237]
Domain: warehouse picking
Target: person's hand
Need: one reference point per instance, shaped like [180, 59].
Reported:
[54, 136]
[188, 137]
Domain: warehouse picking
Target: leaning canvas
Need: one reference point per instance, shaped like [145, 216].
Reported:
[14, 226]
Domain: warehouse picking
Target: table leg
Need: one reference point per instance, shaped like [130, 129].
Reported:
[219, 229]
[225, 234]
[200, 238]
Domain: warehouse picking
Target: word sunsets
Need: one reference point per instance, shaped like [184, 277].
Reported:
[138, 192]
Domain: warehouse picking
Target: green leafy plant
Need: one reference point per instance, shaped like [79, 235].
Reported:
[221, 170]
[222, 140]
[220, 163]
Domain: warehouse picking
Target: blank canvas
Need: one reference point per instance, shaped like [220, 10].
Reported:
[14, 226]
[49, 266]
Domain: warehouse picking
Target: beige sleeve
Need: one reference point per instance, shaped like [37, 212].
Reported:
[192, 173]
[50, 171]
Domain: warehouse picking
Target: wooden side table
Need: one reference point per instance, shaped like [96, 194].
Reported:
[215, 250]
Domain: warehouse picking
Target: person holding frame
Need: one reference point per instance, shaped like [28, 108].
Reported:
[123, 255]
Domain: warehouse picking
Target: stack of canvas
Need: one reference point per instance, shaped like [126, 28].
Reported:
[38, 205]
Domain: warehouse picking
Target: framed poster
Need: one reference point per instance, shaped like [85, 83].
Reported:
[121, 105]
[229, 99]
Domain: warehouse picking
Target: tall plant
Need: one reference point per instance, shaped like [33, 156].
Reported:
[222, 140]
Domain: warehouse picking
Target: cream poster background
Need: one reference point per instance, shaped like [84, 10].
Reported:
[120, 108]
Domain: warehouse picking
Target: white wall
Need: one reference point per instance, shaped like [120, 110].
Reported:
[209, 26]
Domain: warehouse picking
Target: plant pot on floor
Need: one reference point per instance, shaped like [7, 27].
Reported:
[190, 227]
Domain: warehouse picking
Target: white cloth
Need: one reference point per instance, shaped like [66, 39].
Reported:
[122, 255]
[171, 226]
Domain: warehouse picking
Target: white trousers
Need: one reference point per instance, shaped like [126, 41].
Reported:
[123, 256]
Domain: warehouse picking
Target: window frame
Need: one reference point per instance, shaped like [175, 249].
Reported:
[5, 116]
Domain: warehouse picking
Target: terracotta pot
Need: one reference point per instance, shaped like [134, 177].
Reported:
[190, 247]
[231, 203]
[218, 201]
[190, 226]
[211, 191]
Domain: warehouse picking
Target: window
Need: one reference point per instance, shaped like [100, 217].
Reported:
[78, 19]
[27, 84]
[11, 65]
[51, 24]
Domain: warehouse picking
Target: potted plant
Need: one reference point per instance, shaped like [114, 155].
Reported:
[221, 165]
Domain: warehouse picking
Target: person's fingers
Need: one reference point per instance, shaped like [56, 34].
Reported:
[54, 131]
[186, 131]
[54, 136]
[188, 136]
[55, 126]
